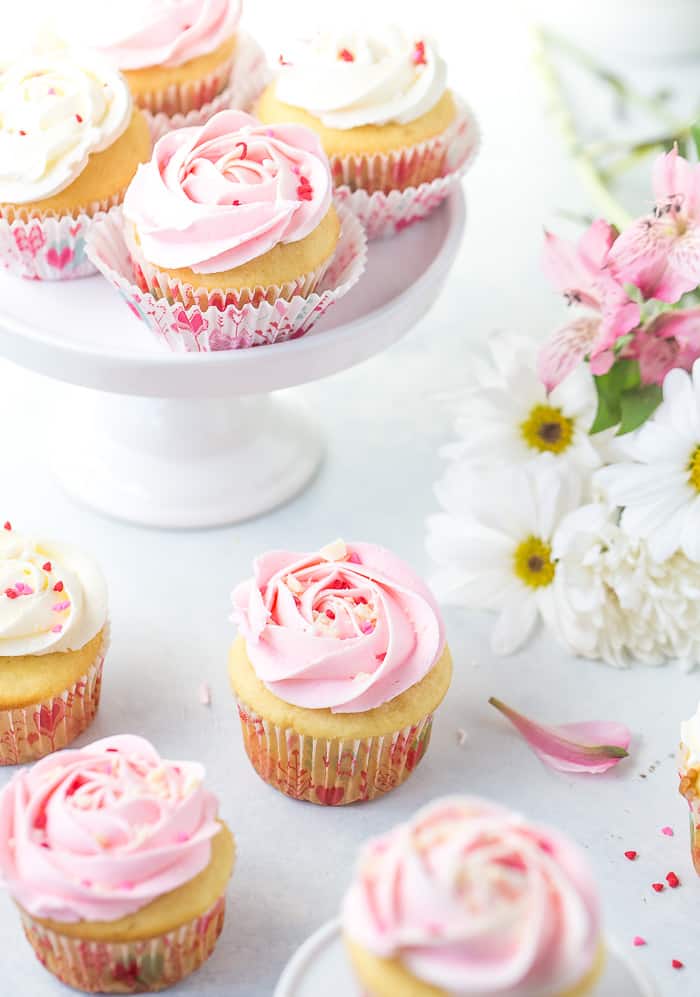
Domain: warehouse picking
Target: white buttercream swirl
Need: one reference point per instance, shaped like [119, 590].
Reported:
[690, 741]
[352, 79]
[56, 110]
[52, 597]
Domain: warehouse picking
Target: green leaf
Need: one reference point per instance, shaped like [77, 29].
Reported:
[637, 406]
[607, 416]
[622, 377]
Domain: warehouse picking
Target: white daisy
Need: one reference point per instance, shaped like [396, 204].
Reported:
[493, 544]
[658, 486]
[508, 418]
[626, 606]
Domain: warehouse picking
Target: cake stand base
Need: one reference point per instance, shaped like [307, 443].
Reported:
[186, 462]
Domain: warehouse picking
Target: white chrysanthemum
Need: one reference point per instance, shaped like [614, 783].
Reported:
[507, 417]
[493, 543]
[624, 605]
[658, 486]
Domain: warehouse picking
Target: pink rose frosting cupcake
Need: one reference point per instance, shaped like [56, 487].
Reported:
[228, 218]
[118, 864]
[176, 55]
[339, 666]
[469, 899]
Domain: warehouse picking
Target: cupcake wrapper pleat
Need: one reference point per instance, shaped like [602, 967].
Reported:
[50, 247]
[332, 772]
[30, 732]
[127, 967]
[388, 193]
[192, 320]
[244, 78]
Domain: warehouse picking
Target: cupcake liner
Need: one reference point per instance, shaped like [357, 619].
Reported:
[228, 323]
[332, 772]
[50, 247]
[425, 174]
[688, 789]
[127, 967]
[30, 732]
[247, 74]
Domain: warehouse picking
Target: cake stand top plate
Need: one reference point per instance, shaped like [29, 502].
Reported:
[81, 332]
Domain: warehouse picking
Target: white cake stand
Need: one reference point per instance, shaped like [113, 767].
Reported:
[322, 958]
[192, 440]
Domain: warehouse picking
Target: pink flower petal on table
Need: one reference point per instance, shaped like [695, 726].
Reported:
[592, 747]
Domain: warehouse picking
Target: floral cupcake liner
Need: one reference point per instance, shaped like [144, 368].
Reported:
[391, 192]
[272, 315]
[332, 772]
[688, 789]
[30, 732]
[50, 247]
[247, 75]
[127, 967]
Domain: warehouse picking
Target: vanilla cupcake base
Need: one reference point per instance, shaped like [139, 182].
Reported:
[282, 313]
[29, 732]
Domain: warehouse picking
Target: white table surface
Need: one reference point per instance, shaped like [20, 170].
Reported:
[384, 422]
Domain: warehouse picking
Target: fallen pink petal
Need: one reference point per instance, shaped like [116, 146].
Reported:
[591, 747]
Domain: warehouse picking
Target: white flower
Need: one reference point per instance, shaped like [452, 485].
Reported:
[507, 418]
[625, 606]
[494, 543]
[659, 484]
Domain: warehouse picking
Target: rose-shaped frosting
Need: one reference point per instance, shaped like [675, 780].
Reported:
[216, 197]
[353, 79]
[96, 834]
[147, 33]
[472, 899]
[349, 628]
[52, 597]
[55, 111]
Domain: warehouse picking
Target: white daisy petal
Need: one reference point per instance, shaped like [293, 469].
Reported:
[515, 623]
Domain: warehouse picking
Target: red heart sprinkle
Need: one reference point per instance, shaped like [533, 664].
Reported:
[677, 964]
[79, 119]
[8, 525]
[631, 856]
[346, 55]
[657, 886]
[58, 587]
[673, 880]
[10, 593]
[47, 566]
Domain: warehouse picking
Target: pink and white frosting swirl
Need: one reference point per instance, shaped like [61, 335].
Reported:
[472, 899]
[97, 833]
[145, 33]
[349, 628]
[216, 197]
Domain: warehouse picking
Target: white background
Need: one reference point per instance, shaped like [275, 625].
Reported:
[385, 421]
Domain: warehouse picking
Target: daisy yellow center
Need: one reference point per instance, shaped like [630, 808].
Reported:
[694, 469]
[533, 563]
[547, 429]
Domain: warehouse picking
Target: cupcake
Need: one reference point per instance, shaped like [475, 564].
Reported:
[338, 668]
[53, 640]
[689, 766]
[118, 865]
[70, 142]
[469, 899]
[378, 101]
[231, 214]
[176, 55]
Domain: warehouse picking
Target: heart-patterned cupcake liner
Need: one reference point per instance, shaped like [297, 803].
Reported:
[332, 771]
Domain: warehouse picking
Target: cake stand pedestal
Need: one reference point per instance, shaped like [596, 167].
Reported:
[194, 440]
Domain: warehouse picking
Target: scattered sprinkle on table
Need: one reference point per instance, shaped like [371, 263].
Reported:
[631, 856]
[677, 964]
[638, 941]
[673, 880]
[668, 831]
[205, 694]
[658, 887]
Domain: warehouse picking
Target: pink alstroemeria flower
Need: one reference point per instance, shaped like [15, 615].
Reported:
[583, 273]
[672, 340]
[581, 747]
[660, 253]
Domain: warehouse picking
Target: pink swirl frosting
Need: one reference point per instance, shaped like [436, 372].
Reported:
[216, 197]
[145, 33]
[349, 628]
[97, 833]
[472, 899]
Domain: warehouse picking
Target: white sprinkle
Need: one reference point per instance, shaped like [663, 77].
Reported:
[335, 551]
[205, 694]
[462, 736]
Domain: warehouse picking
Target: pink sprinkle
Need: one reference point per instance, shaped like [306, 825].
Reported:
[355, 558]
[52, 92]
[367, 628]
[637, 941]
[127, 885]
[668, 831]
[60, 607]
[182, 837]
[57, 629]
[23, 589]
[381, 657]
[205, 694]
[677, 964]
